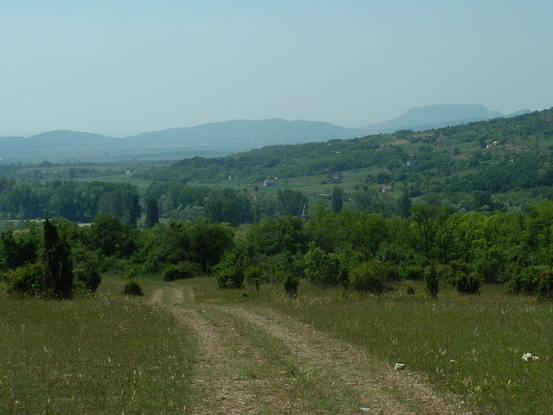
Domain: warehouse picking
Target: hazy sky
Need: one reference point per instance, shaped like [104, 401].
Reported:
[120, 67]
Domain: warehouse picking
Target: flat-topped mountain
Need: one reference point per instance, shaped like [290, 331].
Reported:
[437, 116]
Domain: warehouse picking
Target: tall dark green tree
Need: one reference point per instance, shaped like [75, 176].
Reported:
[152, 212]
[337, 199]
[404, 205]
[58, 278]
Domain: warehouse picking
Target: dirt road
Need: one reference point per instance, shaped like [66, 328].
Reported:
[260, 362]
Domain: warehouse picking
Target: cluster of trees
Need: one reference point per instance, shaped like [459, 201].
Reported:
[55, 257]
[82, 201]
[40, 262]
[365, 251]
[352, 249]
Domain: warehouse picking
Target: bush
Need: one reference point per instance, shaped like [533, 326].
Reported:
[468, 284]
[132, 288]
[431, 281]
[412, 272]
[291, 285]
[534, 280]
[89, 276]
[229, 273]
[181, 271]
[370, 276]
[410, 291]
[545, 286]
[26, 281]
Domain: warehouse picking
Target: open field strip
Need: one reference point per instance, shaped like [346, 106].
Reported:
[190, 348]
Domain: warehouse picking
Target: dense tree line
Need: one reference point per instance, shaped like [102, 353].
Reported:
[350, 248]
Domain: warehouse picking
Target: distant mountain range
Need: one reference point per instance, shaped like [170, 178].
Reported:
[222, 138]
[437, 116]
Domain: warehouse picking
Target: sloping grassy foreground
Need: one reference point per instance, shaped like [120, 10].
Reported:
[104, 355]
[469, 345]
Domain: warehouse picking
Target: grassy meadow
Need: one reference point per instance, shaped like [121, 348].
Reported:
[102, 355]
[115, 354]
[469, 345]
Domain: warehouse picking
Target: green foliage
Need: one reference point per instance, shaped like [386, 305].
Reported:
[111, 237]
[133, 288]
[209, 242]
[431, 281]
[410, 291]
[545, 287]
[58, 278]
[152, 212]
[468, 283]
[26, 281]
[180, 271]
[412, 272]
[337, 199]
[324, 268]
[370, 276]
[533, 280]
[291, 202]
[291, 284]
[229, 273]
[89, 276]
[272, 236]
[253, 275]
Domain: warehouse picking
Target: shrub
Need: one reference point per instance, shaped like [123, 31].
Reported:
[291, 285]
[26, 281]
[182, 270]
[525, 282]
[431, 281]
[536, 280]
[468, 283]
[324, 268]
[370, 276]
[253, 275]
[545, 286]
[413, 272]
[89, 276]
[132, 288]
[410, 291]
[229, 273]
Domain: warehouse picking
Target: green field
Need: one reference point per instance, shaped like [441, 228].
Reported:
[115, 354]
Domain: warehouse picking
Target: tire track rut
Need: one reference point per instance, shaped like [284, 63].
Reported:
[252, 363]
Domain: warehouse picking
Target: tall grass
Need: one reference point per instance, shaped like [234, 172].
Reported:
[103, 355]
[469, 345]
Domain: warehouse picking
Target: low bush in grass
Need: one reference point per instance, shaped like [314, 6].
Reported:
[412, 272]
[431, 281]
[536, 280]
[89, 277]
[291, 285]
[370, 276]
[468, 283]
[229, 273]
[25, 281]
[132, 288]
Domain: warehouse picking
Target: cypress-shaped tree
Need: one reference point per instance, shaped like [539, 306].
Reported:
[58, 278]
[152, 212]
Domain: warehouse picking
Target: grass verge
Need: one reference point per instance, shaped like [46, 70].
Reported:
[469, 345]
[102, 355]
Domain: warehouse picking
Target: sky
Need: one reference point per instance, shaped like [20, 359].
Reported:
[119, 67]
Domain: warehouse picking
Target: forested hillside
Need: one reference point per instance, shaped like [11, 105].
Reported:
[497, 155]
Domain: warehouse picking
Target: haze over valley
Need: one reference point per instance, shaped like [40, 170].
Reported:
[222, 138]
